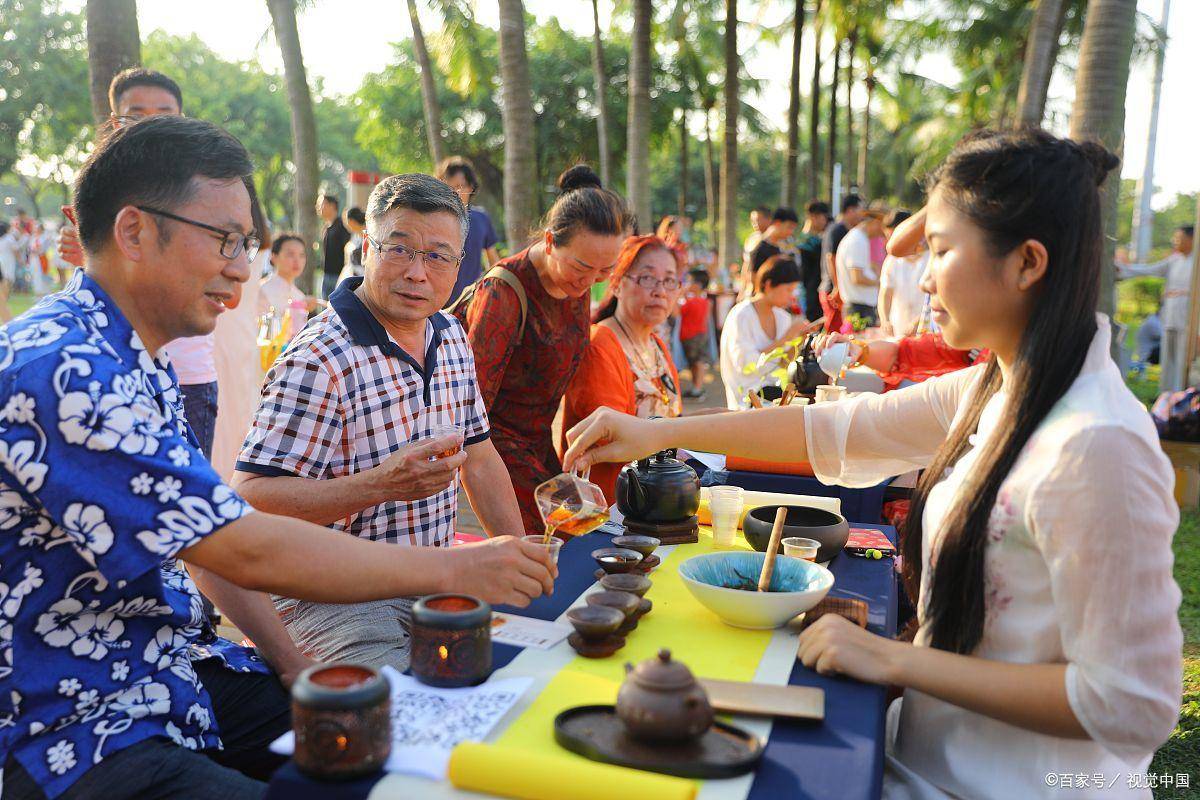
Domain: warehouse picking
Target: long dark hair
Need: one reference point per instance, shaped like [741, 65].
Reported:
[1015, 187]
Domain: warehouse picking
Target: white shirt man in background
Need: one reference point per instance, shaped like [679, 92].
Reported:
[857, 278]
[1177, 269]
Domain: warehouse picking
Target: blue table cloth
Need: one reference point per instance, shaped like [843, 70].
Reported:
[840, 758]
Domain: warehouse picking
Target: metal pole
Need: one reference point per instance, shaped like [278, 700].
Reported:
[1143, 214]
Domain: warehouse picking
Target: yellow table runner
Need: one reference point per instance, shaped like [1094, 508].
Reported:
[694, 635]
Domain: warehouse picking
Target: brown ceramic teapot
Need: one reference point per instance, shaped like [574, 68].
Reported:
[661, 700]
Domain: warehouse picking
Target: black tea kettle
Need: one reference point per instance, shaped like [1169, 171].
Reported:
[659, 489]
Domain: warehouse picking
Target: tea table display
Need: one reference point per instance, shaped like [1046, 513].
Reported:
[839, 757]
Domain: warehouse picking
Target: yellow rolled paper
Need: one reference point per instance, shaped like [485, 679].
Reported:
[519, 773]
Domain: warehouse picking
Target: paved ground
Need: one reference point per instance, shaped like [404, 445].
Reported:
[715, 398]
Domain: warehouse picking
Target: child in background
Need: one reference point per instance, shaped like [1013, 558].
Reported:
[693, 330]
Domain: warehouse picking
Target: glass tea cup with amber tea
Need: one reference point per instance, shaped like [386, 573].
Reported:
[442, 431]
[572, 504]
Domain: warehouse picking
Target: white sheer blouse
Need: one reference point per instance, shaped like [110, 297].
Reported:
[1078, 571]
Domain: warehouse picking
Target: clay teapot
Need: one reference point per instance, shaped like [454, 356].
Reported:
[661, 700]
[660, 489]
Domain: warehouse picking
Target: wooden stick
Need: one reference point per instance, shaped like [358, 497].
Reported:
[789, 394]
[764, 580]
[755, 400]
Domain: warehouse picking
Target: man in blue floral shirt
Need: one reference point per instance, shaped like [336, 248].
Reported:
[111, 684]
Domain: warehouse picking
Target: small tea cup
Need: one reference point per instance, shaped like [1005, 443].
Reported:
[617, 559]
[595, 622]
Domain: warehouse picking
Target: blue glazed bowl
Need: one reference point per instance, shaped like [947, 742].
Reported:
[796, 586]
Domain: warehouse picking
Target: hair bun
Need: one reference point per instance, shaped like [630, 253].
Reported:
[1102, 159]
[580, 176]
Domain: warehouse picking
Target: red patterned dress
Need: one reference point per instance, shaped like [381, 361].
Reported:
[523, 380]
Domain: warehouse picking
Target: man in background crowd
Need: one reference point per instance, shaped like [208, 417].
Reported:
[333, 243]
[857, 275]
[808, 245]
[1177, 269]
[459, 174]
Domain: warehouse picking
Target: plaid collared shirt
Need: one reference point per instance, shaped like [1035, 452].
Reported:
[344, 396]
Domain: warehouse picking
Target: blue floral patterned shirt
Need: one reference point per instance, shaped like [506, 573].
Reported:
[101, 484]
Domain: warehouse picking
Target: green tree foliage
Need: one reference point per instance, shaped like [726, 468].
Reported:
[45, 109]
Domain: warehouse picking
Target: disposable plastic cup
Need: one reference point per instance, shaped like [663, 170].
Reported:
[830, 393]
[552, 546]
[799, 547]
[726, 499]
[724, 528]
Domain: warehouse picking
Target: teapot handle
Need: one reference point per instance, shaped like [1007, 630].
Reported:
[637, 495]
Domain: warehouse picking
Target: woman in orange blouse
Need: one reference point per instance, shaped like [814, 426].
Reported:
[626, 365]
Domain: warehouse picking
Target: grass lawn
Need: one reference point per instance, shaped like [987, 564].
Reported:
[1181, 753]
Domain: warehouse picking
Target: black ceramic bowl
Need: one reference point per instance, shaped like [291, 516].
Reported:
[828, 528]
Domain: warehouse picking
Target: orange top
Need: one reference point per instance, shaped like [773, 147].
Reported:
[604, 378]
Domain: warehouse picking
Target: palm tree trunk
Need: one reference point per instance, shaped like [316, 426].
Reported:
[683, 162]
[1099, 109]
[113, 45]
[787, 194]
[730, 248]
[429, 98]
[710, 178]
[865, 136]
[814, 114]
[851, 47]
[1041, 51]
[601, 80]
[831, 142]
[517, 111]
[637, 174]
[304, 125]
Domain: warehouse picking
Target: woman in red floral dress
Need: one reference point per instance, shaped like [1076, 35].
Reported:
[523, 375]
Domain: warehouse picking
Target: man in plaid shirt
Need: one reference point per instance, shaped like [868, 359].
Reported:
[351, 430]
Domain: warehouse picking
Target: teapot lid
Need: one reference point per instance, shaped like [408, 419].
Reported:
[662, 673]
[664, 462]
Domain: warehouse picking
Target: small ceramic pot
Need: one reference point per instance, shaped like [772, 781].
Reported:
[342, 720]
[661, 700]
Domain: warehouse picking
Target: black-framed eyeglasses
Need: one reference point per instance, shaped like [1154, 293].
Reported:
[650, 283]
[232, 242]
[403, 254]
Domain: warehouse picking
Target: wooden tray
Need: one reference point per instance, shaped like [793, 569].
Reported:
[597, 733]
[765, 700]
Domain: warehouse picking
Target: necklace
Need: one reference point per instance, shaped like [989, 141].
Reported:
[639, 353]
[663, 385]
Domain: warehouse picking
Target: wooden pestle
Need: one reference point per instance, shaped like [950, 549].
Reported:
[764, 580]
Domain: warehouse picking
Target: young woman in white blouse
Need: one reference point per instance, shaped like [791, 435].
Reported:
[758, 324]
[1039, 541]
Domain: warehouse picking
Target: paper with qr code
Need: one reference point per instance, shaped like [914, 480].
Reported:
[527, 632]
[428, 722]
